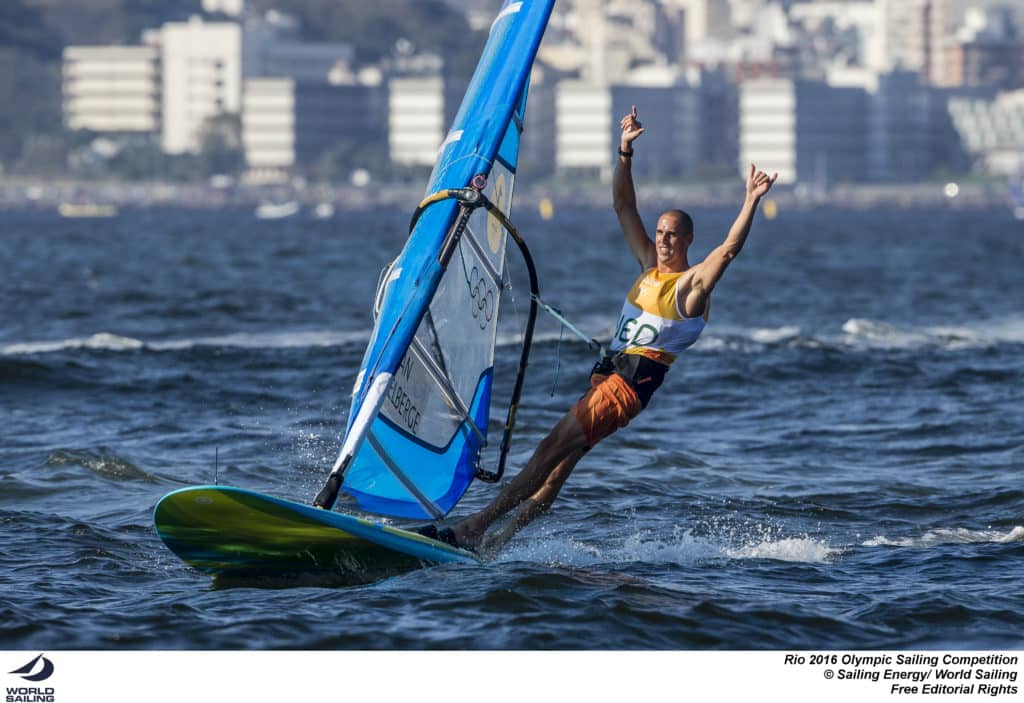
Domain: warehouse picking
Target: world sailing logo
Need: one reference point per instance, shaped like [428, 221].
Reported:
[32, 695]
[44, 673]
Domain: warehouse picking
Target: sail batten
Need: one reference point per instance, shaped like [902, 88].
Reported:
[473, 242]
[428, 505]
[446, 388]
[436, 318]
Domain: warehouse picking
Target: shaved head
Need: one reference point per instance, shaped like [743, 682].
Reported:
[685, 221]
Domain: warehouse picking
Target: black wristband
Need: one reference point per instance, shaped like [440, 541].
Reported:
[627, 154]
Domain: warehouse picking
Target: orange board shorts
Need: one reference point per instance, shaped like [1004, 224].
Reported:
[609, 404]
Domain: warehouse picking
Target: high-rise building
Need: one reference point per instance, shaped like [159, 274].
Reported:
[901, 127]
[416, 124]
[112, 89]
[991, 129]
[583, 121]
[670, 110]
[202, 78]
[537, 148]
[705, 19]
[808, 131]
[903, 36]
[268, 123]
[288, 123]
[947, 18]
[987, 51]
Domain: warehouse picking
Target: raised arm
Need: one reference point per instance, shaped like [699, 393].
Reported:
[713, 267]
[624, 195]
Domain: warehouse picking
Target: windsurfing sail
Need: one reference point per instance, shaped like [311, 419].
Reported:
[421, 401]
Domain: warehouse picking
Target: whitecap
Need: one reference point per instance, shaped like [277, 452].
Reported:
[775, 335]
[268, 340]
[682, 547]
[102, 341]
[874, 333]
[799, 549]
[955, 535]
[106, 341]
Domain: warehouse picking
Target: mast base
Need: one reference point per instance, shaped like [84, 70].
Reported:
[328, 495]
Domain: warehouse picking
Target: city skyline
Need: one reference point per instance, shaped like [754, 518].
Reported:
[245, 82]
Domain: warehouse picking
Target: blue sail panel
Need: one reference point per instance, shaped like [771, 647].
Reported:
[440, 474]
[508, 151]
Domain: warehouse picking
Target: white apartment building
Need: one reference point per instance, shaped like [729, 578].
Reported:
[992, 131]
[670, 110]
[202, 71]
[901, 126]
[858, 125]
[767, 110]
[808, 131]
[902, 40]
[537, 148]
[268, 123]
[286, 122]
[583, 127]
[946, 17]
[112, 89]
[704, 20]
[416, 119]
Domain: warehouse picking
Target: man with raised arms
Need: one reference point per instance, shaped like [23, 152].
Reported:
[664, 313]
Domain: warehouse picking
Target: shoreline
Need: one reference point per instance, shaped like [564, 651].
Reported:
[85, 196]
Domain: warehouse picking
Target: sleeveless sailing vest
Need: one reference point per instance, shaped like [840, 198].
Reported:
[651, 323]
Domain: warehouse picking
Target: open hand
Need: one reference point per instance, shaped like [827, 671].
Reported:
[631, 129]
[758, 182]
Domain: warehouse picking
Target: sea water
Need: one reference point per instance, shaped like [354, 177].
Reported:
[836, 464]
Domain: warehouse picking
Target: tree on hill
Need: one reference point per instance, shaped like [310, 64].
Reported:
[110, 21]
[372, 28]
[29, 80]
[23, 28]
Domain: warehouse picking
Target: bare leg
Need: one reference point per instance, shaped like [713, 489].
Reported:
[539, 477]
[536, 504]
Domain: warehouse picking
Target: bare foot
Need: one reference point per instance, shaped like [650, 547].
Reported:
[465, 537]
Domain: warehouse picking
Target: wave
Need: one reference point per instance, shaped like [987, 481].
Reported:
[682, 547]
[881, 335]
[943, 536]
[861, 334]
[99, 462]
[686, 548]
[105, 341]
[102, 341]
[799, 549]
[855, 334]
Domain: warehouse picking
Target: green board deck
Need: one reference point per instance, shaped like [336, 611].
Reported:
[237, 533]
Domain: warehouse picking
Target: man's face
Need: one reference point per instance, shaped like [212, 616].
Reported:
[671, 241]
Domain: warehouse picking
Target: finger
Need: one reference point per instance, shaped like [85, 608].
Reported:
[633, 113]
[775, 177]
[751, 172]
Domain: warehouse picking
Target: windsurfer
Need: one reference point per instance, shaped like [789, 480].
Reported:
[664, 313]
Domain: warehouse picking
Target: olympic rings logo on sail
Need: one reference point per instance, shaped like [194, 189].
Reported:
[481, 296]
